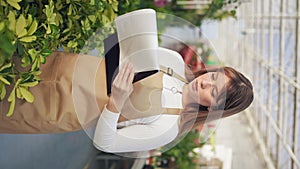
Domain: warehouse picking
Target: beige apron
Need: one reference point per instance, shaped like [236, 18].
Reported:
[55, 108]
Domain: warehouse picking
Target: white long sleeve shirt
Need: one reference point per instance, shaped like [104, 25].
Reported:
[140, 134]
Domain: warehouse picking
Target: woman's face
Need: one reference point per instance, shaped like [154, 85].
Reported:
[205, 89]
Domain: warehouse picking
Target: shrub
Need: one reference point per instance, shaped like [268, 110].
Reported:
[30, 30]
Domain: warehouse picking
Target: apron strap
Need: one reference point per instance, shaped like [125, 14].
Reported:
[169, 71]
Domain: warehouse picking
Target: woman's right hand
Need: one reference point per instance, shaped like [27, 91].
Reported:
[121, 88]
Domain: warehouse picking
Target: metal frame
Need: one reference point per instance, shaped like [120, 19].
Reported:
[274, 104]
[264, 72]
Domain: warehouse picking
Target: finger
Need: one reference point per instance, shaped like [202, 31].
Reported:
[131, 75]
[123, 80]
[120, 75]
[126, 72]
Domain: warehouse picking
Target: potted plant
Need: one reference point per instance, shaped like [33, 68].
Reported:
[181, 155]
[30, 30]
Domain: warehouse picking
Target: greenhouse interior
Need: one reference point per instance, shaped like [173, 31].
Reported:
[260, 39]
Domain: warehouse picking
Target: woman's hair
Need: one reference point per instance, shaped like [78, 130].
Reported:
[234, 98]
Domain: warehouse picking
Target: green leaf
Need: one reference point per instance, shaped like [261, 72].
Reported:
[46, 52]
[114, 5]
[25, 61]
[42, 60]
[26, 94]
[86, 25]
[12, 95]
[59, 19]
[19, 95]
[11, 108]
[59, 5]
[72, 44]
[92, 18]
[33, 53]
[3, 91]
[29, 20]
[18, 82]
[20, 26]
[37, 78]
[35, 64]
[12, 21]
[70, 23]
[49, 13]
[54, 29]
[29, 84]
[5, 67]
[14, 3]
[28, 38]
[105, 19]
[48, 31]
[36, 73]
[70, 10]
[76, 17]
[92, 2]
[109, 13]
[26, 77]
[4, 80]
[32, 28]
[2, 26]
[3, 3]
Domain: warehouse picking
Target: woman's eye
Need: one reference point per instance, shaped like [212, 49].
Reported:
[213, 76]
[213, 92]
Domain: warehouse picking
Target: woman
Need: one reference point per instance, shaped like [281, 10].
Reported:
[162, 108]
[75, 83]
[73, 95]
[226, 90]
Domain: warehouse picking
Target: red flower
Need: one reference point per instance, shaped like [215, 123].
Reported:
[161, 3]
[191, 58]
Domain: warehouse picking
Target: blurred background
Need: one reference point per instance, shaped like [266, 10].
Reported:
[258, 38]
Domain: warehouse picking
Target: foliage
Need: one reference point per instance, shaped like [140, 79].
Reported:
[182, 153]
[216, 10]
[30, 30]
[219, 9]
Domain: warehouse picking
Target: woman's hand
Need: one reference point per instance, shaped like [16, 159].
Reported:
[121, 88]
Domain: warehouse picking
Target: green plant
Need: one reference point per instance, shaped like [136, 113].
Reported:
[182, 154]
[30, 30]
[219, 9]
[216, 10]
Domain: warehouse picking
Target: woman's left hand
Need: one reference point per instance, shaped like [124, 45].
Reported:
[121, 88]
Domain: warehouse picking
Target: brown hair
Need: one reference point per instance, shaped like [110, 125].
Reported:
[236, 97]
